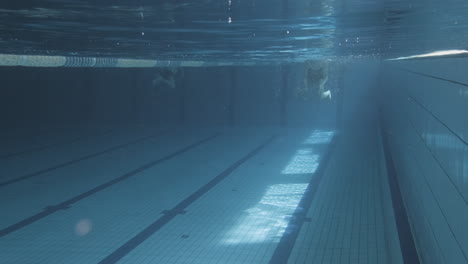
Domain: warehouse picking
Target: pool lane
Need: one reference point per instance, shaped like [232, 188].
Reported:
[79, 159]
[113, 209]
[52, 137]
[243, 217]
[65, 204]
[33, 163]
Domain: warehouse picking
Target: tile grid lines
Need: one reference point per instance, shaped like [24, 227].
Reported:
[373, 200]
[317, 242]
[410, 217]
[336, 222]
[353, 223]
[339, 205]
[335, 244]
[438, 205]
[383, 185]
[435, 157]
[360, 216]
[39, 148]
[435, 77]
[329, 224]
[80, 159]
[378, 193]
[348, 222]
[407, 245]
[286, 244]
[428, 222]
[139, 238]
[413, 99]
[325, 211]
[67, 203]
[382, 210]
[376, 205]
[370, 216]
[360, 220]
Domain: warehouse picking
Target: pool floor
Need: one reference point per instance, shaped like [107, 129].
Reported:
[175, 195]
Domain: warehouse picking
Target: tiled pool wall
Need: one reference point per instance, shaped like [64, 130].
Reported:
[425, 106]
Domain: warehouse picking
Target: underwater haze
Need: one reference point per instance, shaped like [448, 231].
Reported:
[233, 131]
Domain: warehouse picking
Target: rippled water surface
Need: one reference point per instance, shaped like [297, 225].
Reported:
[234, 30]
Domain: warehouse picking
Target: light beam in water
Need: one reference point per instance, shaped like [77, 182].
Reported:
[433, 54]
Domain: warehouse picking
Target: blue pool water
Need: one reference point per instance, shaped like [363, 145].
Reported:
[233, 30]
[233, 131]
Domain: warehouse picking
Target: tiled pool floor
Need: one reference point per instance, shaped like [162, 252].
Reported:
[146, 195]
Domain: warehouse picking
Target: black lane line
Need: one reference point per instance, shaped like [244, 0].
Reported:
[440, 121]
[437, 78]
[67, 203]
[68, 163]
[285, 246]
[135, 241]
[56, 144]
[407, 244]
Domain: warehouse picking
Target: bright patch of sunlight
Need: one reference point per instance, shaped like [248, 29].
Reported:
[304, 161]
[443, 141]
[267, 221]
[433, 54]
[320, 137]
